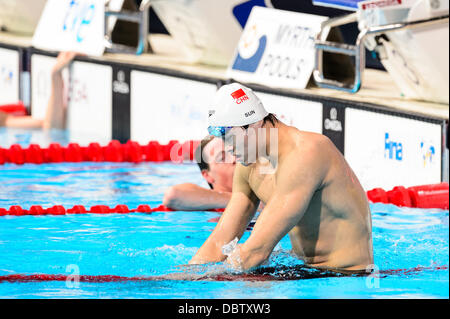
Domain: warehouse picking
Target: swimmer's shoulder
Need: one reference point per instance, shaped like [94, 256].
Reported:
[311, 151]
[309, 142]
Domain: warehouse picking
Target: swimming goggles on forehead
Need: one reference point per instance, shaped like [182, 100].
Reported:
[218, 131]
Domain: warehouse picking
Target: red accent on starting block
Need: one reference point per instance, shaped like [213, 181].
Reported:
[17, 109]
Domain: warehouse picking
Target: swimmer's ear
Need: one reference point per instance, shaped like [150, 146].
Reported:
[207, 176]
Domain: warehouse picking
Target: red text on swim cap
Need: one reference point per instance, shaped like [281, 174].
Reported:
[239, 96]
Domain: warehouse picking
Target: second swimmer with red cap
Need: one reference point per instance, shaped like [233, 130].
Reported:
[308, 189]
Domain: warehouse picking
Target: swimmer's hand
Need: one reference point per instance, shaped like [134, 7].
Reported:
[63, 60]
[234, 260]
[232, 251]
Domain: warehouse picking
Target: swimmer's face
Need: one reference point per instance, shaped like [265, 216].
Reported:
[221, 165]
[242, 143]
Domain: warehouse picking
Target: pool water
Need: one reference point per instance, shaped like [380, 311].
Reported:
[155, 244]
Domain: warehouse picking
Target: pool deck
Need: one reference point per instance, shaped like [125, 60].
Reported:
[377, 86]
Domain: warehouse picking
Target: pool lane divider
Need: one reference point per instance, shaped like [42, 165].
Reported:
[281, 273]
[425, 196]
[37, 210]
[130, 151]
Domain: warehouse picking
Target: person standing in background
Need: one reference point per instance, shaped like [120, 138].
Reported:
[55, 116]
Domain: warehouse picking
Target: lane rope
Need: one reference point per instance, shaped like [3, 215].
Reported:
[425, 196]
[113, 152]
[281, 273]
[37, 210]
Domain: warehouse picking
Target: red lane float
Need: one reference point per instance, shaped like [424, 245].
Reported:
[113, 152]
[37, 210]
[424, 196]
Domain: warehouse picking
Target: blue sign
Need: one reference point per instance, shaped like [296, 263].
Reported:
[251, 64]
[349, 5]
[242, 11]
[78, 16]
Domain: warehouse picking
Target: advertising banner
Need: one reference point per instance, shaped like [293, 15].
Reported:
[9, 76]
[165, 108]
[302, 114]
[90, 103]
[41, 83]
[387, 151]
[276, 48]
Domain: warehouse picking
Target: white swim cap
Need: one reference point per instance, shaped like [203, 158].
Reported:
[235, 105]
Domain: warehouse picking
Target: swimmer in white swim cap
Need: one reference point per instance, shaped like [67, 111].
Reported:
[308, 189]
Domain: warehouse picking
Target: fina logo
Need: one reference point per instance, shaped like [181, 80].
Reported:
[252, 46]
[392, 149]
[6, 75]
[428, 152]
[250, 50]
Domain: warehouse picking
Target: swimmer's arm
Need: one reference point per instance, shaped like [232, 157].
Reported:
[193, 197]
[55, 116]
[295, 188]
[19, 121]
[26, 122]
[233, 222]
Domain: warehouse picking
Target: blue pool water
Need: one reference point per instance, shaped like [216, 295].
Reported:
[155, 244]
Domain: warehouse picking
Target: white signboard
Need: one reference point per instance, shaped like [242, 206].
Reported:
[72, 25]
[276, 48]
[387, 151]
[41, 84]
[90, 103]
[9, 76]
[304, 115]
[165, 108]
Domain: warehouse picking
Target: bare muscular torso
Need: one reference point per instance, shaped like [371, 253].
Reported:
[335, 231]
